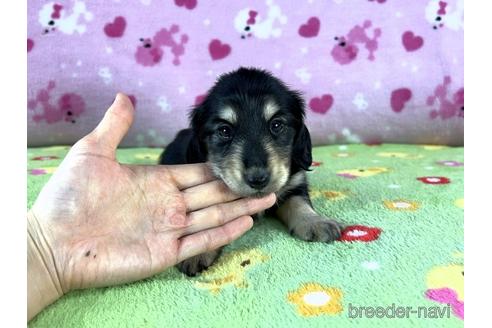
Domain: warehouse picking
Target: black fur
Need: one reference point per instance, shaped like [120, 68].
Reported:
[247, 91]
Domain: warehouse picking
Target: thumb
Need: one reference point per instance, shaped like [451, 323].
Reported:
[115, 124]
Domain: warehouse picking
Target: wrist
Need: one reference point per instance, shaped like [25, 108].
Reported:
[43, 281]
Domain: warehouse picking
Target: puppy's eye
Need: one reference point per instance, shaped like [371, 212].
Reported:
[224, 132]
[277, 126]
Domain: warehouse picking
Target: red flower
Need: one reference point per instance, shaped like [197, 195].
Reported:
[360, 233]
[434, 180]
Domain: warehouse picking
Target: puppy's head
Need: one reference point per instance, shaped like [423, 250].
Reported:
[250, 127]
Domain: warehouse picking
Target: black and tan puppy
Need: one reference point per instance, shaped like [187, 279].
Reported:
[250, 129]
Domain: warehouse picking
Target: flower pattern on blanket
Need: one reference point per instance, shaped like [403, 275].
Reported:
[287, 282]
[361, 172]
[446, 285]
[230, 269]
[314, 299]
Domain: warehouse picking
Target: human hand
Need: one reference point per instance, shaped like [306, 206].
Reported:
[98, 222]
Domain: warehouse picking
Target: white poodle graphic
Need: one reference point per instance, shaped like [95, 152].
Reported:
[54, 16]
[441, 13]
[250, 22]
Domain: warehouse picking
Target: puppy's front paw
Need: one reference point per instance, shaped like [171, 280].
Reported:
[196, 264]
[317, 229]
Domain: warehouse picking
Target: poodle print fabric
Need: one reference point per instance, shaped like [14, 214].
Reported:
[371, 71]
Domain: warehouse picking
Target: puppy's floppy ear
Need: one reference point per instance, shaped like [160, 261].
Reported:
[196, 152]
[302, 150]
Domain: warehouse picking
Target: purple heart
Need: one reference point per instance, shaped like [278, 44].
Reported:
[399, 98]
[311, 28]
[411, 42]
[321, 105]
[116, 28]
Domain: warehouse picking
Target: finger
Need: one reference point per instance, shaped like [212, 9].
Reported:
[207, 194]
[114, 125]
[188, 175]
[211, 239]
[220, 214]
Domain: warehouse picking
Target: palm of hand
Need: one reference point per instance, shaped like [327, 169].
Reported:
[98, 222]
[127, 220]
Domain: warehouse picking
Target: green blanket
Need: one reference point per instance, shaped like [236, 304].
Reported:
[399, 262]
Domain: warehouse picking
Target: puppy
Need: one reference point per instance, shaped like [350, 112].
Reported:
[250, 129]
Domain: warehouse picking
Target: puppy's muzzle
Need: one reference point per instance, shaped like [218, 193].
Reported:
[257, 177]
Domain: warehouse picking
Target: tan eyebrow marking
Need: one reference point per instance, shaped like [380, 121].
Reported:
[228, 114]
[270, 109]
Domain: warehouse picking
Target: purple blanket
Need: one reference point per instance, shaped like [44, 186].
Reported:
[371, 71]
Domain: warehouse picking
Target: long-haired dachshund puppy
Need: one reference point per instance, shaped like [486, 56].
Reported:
[250, 129]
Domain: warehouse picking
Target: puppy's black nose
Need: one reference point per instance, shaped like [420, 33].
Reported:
[257, 178]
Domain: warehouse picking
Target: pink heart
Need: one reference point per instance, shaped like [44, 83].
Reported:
[310, 29]
[189, 4]
[30, 44]
[399, 97]
[116, 28]
[321, 105]
[218, 50]
[411, 42]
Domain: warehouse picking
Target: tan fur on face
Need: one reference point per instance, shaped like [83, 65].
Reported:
[279, 169]
[228, 114]
[231, 168]
[270, 109]
[231, 172]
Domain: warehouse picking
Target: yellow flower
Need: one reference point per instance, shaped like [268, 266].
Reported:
[43, 170]
[334, 195]
[230, 270]
[447, 276]
[399, 155]
[433, 147]
[58, 148]
[147, 156]
[328, 194]
[401, 205]
[314, 299]
[358, 173]
[342, 155]
[460, 202]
